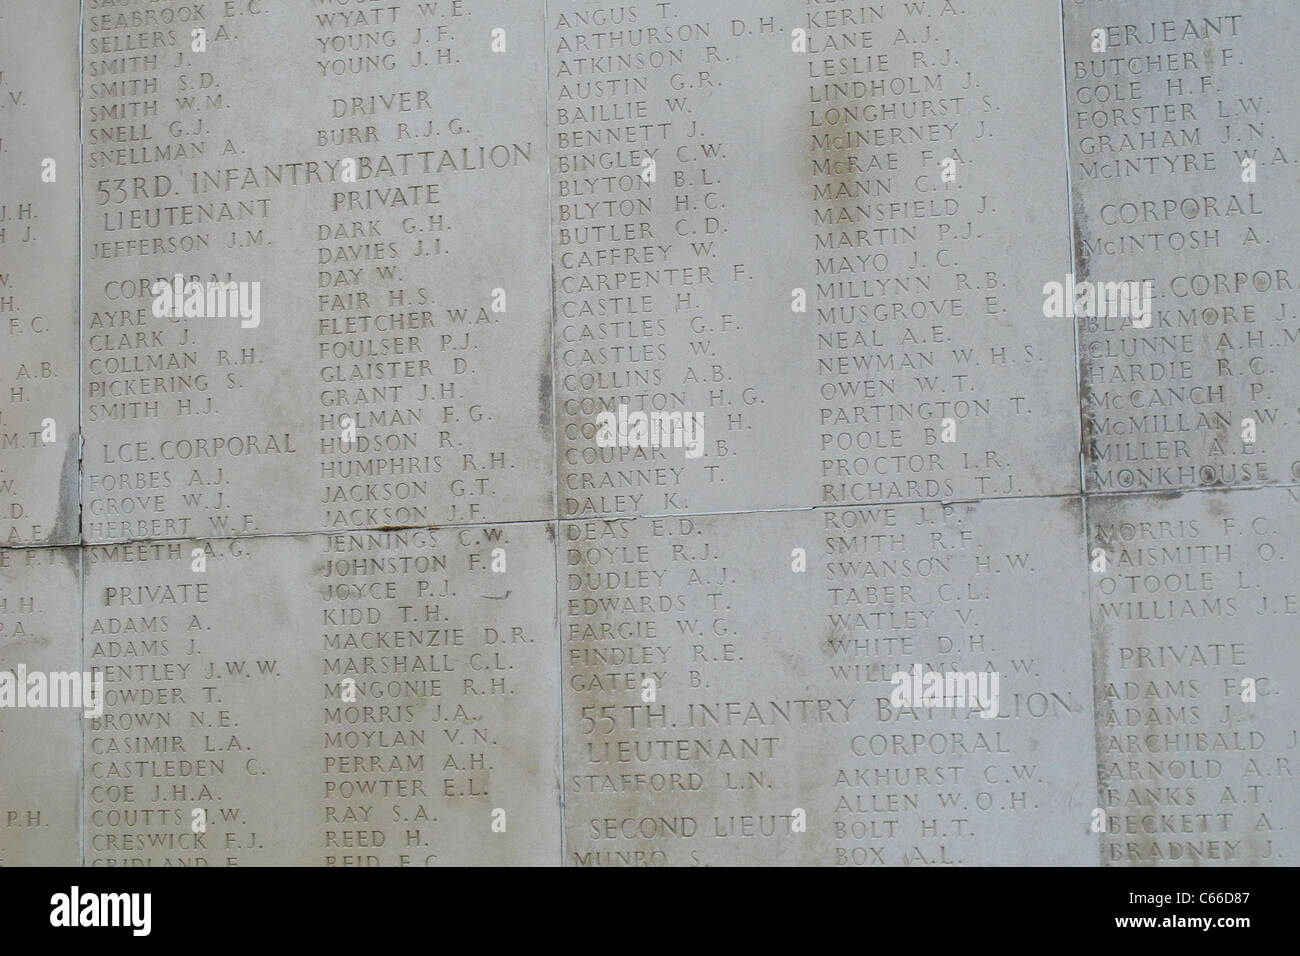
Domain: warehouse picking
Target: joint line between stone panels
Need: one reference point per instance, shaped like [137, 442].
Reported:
[1078, 391]
[82, 810]
[1199, 489]
[307, 534]
[628, 517]
[1071, 240]
[555, 432]
[80, 438]
[33, 546]
[81, 442]
[793, 509]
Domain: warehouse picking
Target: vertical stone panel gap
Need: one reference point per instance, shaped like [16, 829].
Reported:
[1078, 391]
[81, 444]
[555, 435]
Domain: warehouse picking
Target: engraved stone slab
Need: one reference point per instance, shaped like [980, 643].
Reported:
[379, 567]
[357, 699]
[38, 273]
[40, 765]
[800, 223]
[772, 687]
[1196, 613]
[376, 176]
[1183, 163]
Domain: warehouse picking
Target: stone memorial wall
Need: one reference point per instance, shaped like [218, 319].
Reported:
[724, 432]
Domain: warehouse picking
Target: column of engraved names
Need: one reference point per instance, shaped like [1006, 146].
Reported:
[1181, 167]
[175, 441]
[361, 373]
[964, 592]
[202, 734]
[440, 728]
[689, 717]
[667, 133]
[1194, 619]
[770, 733]
[937, 214]
[436, 113]
[38, 266]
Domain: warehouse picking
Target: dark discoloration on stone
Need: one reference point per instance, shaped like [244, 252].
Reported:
[1082, 272]
[67, 525]
[544, 397]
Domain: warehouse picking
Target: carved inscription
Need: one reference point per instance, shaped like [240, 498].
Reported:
[1182, 165]
[1194, 623]
[648, 433]
[389, 251]
[722, 706]
[385, 701]
[39, 447]
[40, 634]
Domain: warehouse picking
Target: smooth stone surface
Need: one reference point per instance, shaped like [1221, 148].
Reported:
[38, 274]
[821, 171]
